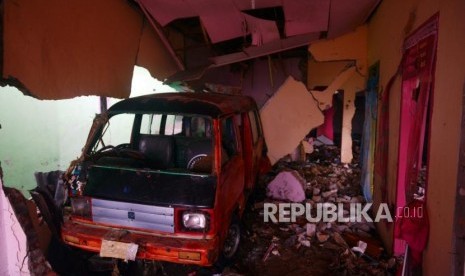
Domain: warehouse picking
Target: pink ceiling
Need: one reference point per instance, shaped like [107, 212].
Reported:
[256, 4]
[166, 11]
[223, 20]
[262, 31]
[247, 54]
[347, 15]
[303, 16]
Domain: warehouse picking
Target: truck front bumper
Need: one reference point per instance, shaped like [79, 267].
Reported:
[198, 251]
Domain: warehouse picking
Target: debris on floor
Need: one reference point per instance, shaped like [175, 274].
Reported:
[312, 248]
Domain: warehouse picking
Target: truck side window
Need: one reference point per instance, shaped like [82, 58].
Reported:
[228, 137]
[173, 124]
[118, 131]
[254, 126]
[200, 127]
[150, 124]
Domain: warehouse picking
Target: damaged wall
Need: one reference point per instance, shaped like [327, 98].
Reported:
[39, 136]
[13, 256]
[349, 50]
[385, 38]
[288, 117]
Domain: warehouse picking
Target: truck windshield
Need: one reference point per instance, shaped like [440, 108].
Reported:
[157, 141]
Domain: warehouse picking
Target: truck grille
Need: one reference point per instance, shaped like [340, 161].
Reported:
[133, 215]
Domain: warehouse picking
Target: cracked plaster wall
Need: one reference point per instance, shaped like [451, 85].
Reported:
[13, 249]
[350, 48]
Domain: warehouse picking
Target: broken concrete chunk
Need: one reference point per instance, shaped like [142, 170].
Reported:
[340, 240]
[287, 185]
[374, 247]
[322, 237]
[361, 247]
[341, 228]
[333, 186]
[323, 140]
[311, 229]
[291, 241]
[316, 198]
[275, 252]
[307, 146]
[365, 227]
[305, 242]
[345, 198]
[355, 200]
[329, 193]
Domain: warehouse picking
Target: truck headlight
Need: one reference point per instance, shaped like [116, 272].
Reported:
[194, 220]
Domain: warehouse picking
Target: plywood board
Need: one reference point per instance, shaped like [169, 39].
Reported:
[288, 117]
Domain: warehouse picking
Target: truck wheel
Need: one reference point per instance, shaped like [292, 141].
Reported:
[233, 238]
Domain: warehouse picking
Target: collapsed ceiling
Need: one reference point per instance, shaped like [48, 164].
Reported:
[56, 50]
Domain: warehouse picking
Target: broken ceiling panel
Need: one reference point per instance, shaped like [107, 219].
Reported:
[306, 16]
[165, 11]
[345, 15]
[262, 31]
[288, 117]
[265, 49]
[221, 19]
[159, 62]
[218, 32]
[256, 4]
[58, 50]
[248, 54]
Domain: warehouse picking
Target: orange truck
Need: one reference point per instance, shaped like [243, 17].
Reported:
[166, 177]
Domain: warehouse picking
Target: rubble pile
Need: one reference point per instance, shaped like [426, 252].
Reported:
[312, 248]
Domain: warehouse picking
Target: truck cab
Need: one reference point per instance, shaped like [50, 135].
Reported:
[166, 177]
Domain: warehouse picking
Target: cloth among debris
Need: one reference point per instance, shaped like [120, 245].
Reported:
[287, 185]
[414, 230]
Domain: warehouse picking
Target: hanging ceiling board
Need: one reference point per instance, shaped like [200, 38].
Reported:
[62, 49]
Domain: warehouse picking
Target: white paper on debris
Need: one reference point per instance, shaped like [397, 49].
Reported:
[361, 247]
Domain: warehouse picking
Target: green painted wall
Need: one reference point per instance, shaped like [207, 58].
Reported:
[41, 135]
